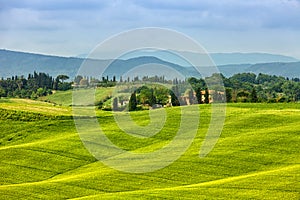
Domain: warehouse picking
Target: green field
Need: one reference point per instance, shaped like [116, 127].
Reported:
[64, 98]
[256, 157]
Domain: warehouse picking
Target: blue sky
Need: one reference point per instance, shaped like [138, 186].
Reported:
[70, 28]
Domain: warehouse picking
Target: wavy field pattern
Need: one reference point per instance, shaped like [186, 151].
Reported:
[256, 157]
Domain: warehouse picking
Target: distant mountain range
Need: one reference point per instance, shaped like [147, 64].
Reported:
[218, 58]
[20, 63]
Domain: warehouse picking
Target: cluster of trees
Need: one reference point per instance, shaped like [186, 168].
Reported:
[249, 87]
[154, 79]
[159, 96]
[81, 81]
[242, 87]
[34, 86]
[85, 81]
[148, 96]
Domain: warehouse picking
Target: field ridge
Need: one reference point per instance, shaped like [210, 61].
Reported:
[207, 183]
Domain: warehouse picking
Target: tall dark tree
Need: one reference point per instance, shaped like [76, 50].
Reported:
[199, 95]
[206, 96]
[174, 99]
[175, 96]
[132, 102]
[253, 96]
[115, 103]
[228, 92]
[152, 99]
[55, 84]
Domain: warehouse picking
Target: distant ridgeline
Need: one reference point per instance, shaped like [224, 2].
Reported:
[19, 63]
[242, 87]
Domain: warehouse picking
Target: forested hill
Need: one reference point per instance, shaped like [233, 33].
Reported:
[19, 63]
[290, 69]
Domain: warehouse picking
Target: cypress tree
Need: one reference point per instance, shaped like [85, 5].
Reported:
[253, 96]
[199, 96]
[132, 102]
[152, 99]
[174, 96]
[228, 92]
[206, 96]
[115, 104]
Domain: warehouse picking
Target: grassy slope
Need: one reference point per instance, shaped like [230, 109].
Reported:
[65, 97]
[256, 157]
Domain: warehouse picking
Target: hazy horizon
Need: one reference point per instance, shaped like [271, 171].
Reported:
[85, 55]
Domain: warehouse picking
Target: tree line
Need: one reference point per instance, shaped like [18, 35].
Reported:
[249, 87]
[159, 97]
[242, 87]
[34, 86]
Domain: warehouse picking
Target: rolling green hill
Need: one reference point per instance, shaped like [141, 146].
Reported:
[256, 157]
[64, 98]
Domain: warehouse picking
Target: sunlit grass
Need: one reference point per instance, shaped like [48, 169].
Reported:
[256, 157]
[64, 98]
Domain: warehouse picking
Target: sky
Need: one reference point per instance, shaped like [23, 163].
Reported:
[73, 27]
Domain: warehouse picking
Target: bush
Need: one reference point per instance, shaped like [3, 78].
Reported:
[64, 86]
